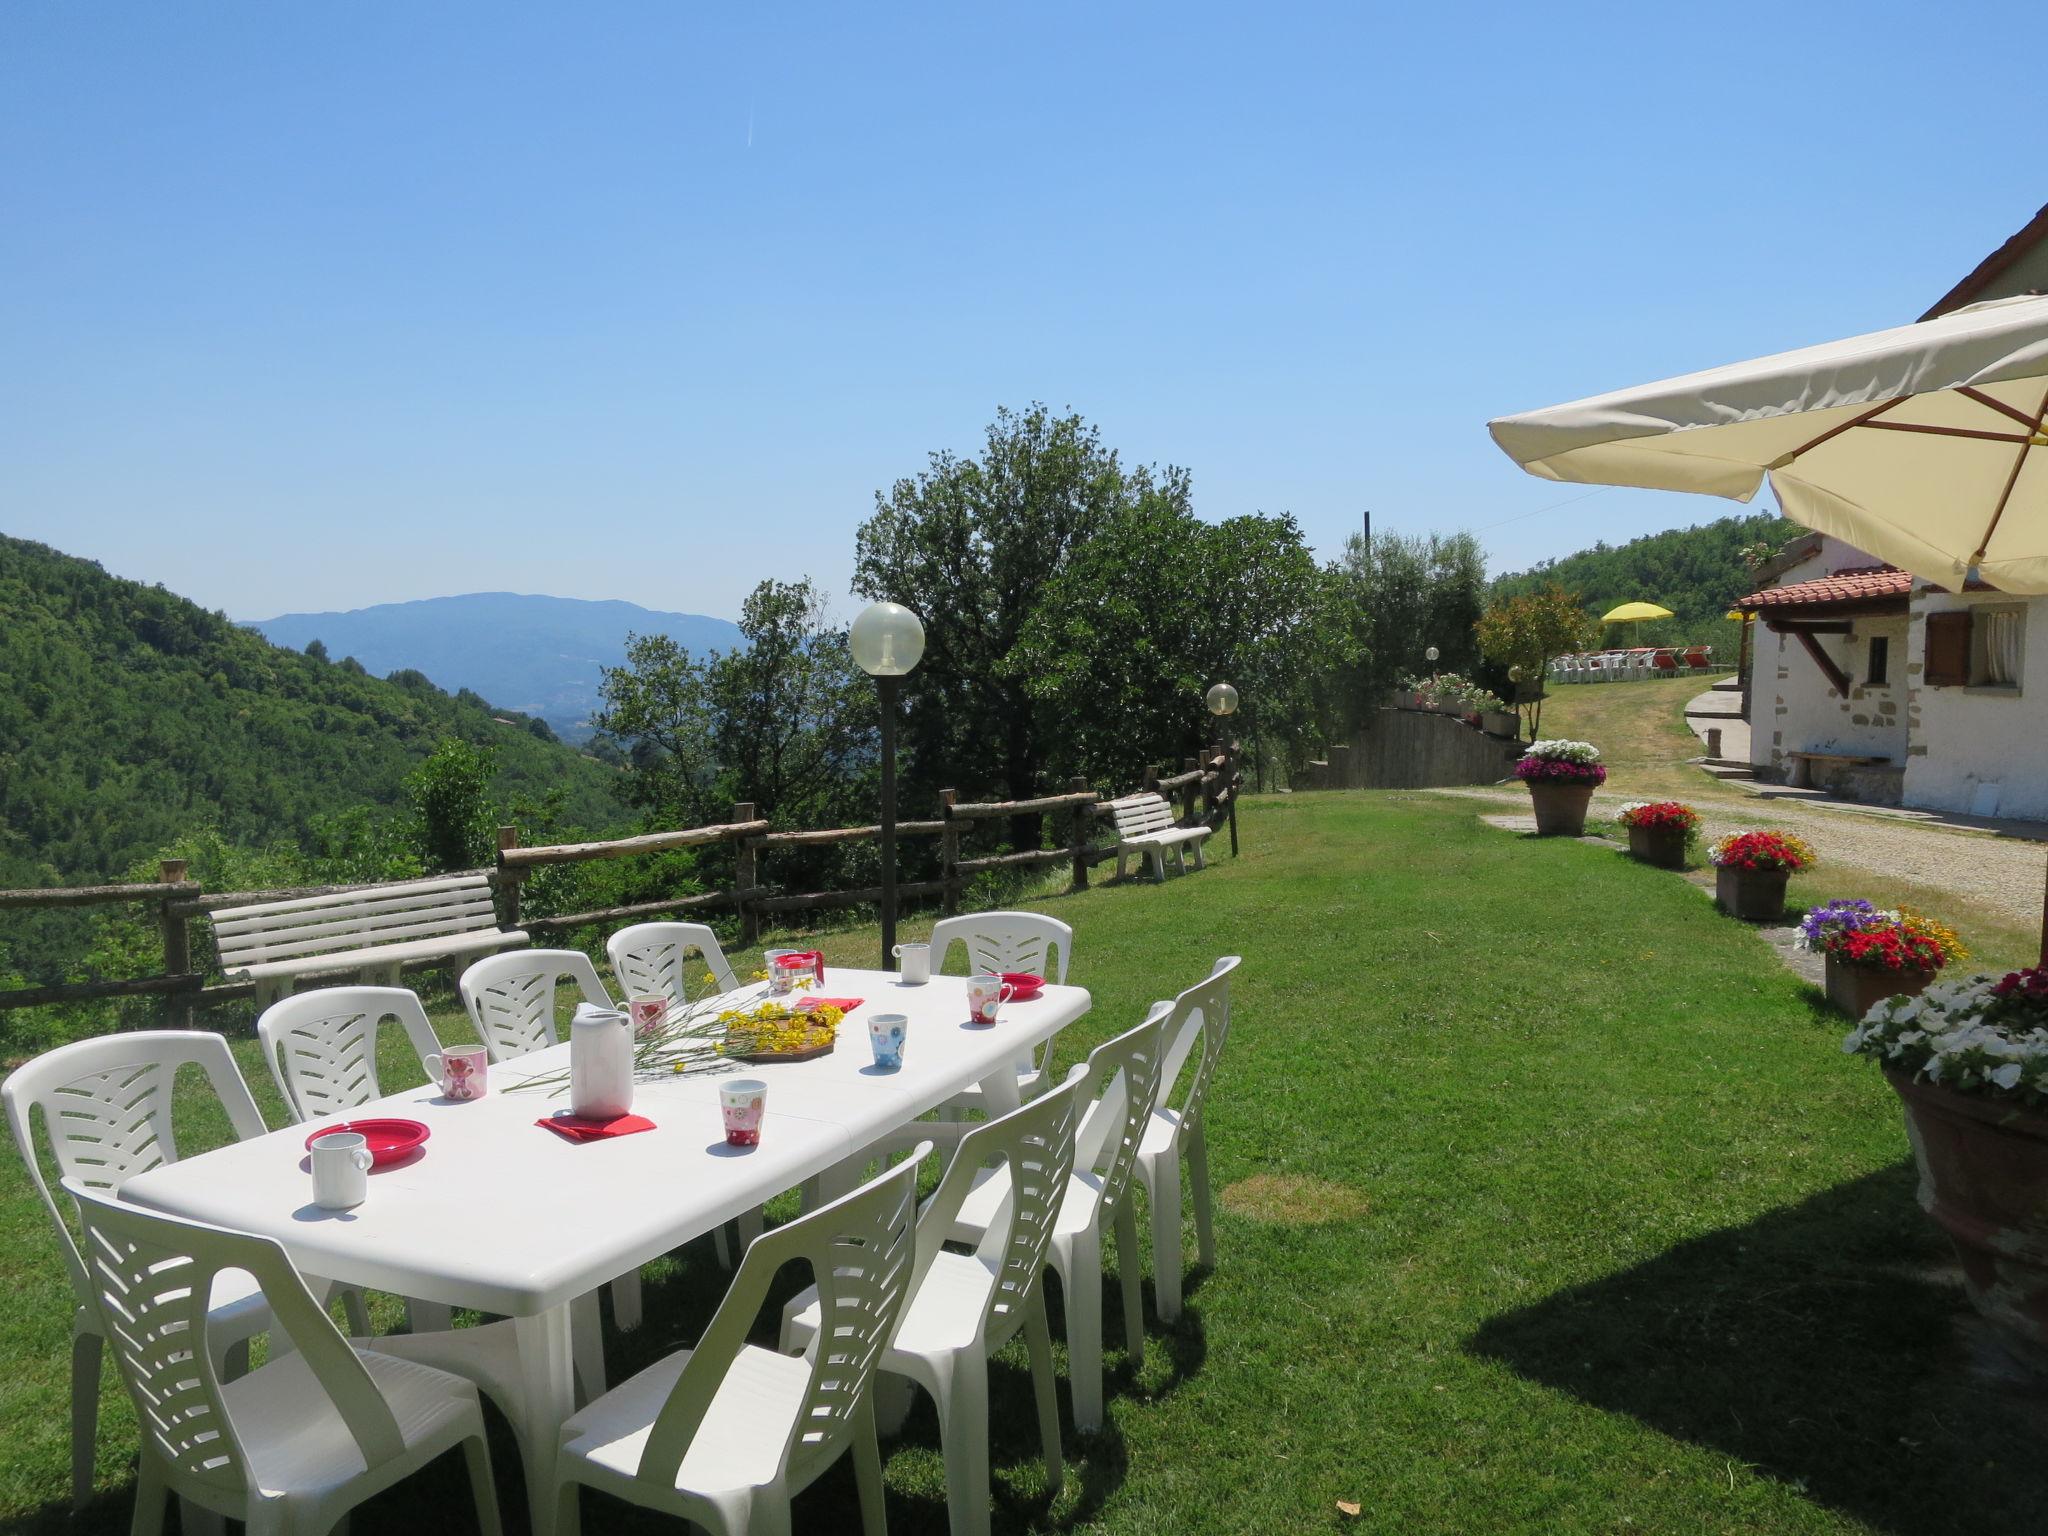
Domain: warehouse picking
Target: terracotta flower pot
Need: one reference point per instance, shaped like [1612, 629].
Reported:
[1856, 989]
[1984, 1177]
[1661, 846]
[1754, 895]
[1560, 807]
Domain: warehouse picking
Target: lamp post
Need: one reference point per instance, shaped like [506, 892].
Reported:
[1222, 700]
[887, 641]
[1430, 656]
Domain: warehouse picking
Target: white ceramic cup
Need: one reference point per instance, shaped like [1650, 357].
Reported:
[341, 1170]
[986, 994]
[886, 1034]
[462, 1071]
[914, 964]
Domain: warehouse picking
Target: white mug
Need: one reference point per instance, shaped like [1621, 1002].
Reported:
[986, 993]
[463, 1071]
[914, 964]
[341, 1170]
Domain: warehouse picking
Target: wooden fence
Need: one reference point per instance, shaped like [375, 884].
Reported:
[1204, 792]
[1407, 749]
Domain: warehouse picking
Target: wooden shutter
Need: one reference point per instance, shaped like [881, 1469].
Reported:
[1947, 664]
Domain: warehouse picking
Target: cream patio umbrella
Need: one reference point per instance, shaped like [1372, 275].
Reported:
[1919, 444]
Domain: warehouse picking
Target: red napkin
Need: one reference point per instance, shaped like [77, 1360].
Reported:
[843, 1004]
[581, 1128]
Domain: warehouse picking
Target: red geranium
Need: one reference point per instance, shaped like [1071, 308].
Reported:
[1661, 814]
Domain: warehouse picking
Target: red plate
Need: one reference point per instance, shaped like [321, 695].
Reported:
[388, 1140]
[1025, 985]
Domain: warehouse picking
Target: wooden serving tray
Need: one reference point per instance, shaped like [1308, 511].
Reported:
[767, 1058]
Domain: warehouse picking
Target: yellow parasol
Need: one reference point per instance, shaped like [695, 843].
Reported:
[1635, 613]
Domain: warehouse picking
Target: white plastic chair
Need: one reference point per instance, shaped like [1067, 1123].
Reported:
[963, 1307]
[650, 959]
[725, 1433]
[1007, 941]
[1201, 1015]
[321, 1046]
[294, 1445]
[106, 1107]
[511, 1003]
[1125, 1073]
[511, 997]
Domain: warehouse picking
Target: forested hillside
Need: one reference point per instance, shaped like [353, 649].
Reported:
[130, 717]
[1695, 572]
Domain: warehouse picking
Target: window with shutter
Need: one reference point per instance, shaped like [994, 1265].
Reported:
[1947, 663]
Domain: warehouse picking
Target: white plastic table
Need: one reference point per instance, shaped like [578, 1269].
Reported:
[503, 1216]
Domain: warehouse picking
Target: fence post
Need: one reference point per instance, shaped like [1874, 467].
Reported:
[508, 879]
[177, 932]
[1189, 790]
[1212, 776]
[1079, 785]
[949, 854]
[745, 874]
[1150, 785]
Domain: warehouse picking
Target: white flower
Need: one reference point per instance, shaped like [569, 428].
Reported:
[2007, 1076]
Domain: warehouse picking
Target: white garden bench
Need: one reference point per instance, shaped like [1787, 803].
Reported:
[374, 931]
[1144, 826]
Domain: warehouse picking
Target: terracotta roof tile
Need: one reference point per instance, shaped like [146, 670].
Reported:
[1858, 584]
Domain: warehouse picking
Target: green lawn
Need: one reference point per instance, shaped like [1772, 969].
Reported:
[1549, 1204]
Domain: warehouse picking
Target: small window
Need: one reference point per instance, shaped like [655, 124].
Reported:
[1877, 670]
[1996, 640]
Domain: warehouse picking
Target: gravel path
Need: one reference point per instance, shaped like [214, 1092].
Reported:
[2004, 874]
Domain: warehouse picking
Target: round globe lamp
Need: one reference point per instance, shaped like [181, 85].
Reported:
[887, 640]
[1222, 701]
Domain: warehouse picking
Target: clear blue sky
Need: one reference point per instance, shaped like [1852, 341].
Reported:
[318, 305]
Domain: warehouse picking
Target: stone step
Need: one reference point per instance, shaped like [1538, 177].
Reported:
[1729, 771]
[1733, 711]
[1729, 684]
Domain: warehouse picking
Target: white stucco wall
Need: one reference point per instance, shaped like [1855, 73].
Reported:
[1966, 739]
[1793, 708]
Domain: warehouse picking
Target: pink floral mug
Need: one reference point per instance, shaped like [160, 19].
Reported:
[743, 1102]
[462, 1071]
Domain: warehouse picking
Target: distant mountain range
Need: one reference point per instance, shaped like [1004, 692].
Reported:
[531, 654]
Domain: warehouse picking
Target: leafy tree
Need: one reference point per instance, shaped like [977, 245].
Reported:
[792, 720]
[1124, 644]
[1525, 631]
[1403, 595]
[784, 721]
[971, 545]
[454, 816]
[317, 649]
[656, 706]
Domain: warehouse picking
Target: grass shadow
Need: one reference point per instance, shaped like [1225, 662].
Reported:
[1827, 1344]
